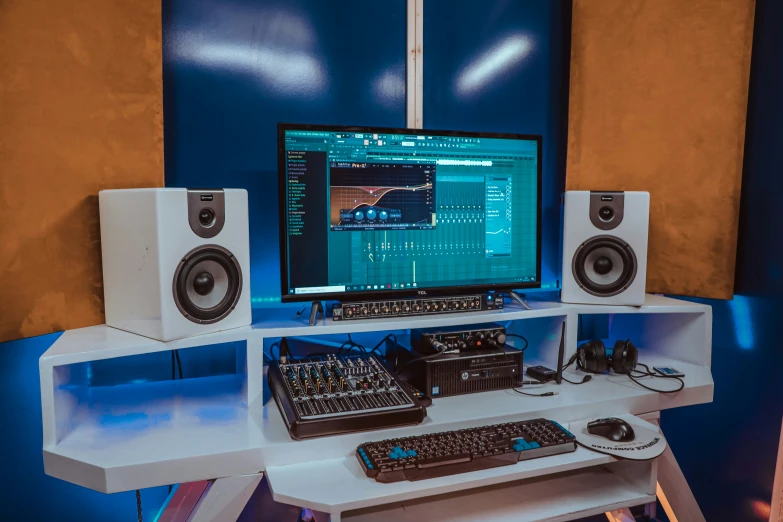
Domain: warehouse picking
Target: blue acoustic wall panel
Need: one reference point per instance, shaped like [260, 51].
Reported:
[502, 66]
[233, 69]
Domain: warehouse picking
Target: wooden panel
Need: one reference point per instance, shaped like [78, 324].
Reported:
[658, 101]
[80, 110]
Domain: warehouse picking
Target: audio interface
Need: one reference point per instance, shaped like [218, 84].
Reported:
[426, 306]
[458, 338]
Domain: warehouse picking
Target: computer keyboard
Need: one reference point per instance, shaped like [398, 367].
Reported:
[451, 452]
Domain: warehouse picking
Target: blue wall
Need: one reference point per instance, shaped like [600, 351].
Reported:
[232, 70]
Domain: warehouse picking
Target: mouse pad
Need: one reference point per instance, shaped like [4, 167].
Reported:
[648, 442]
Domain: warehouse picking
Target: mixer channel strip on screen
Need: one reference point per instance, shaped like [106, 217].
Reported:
[338, 394]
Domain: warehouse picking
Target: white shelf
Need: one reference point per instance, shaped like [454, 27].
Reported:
[198, 429]
[551, 499]
[340, 485]
[237, 440]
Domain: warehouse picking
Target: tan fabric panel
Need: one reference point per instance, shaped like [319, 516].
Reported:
[658, 101]
[81, 109]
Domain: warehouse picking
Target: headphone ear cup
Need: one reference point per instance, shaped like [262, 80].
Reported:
[591, 357]
[624, 357]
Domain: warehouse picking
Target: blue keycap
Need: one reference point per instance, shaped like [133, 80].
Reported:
[534, 445]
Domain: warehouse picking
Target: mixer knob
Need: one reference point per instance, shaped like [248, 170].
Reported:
[395, 309]
[332, 386]
[365, 311]
[470, 340]
[349, 312]
[461, 345]
[480, 336]
[385, 309]
[463, 305]
[416, 307]
[374, 310]
[358, 385]
[444, 306]
[406, 308]
[501, 338]
[427, 307]
[471, 305]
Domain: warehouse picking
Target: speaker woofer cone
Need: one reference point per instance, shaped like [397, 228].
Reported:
[604, 266]
[221, 268]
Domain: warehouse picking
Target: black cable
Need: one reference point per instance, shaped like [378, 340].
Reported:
[585, 379]
[547, 394]
[377, 346]
[515, 336]
[425, 358]
[682, 383]
[179, 363]
[138, 506]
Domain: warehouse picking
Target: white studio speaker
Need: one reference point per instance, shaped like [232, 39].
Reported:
[605, 247]
[176, 262]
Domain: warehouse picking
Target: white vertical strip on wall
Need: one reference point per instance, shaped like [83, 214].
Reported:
[414, 94]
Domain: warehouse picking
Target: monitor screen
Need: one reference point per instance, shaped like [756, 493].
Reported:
[368, 213]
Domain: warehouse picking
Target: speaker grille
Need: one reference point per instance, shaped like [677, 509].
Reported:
[604, 266]
[207, 284]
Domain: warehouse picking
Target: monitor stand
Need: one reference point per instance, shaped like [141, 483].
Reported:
[520, 298]
[316, 309]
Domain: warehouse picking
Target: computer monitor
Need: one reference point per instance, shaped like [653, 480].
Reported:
[373, 213]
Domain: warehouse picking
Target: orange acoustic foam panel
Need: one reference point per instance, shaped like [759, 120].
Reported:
[658, 100]
[81, 110]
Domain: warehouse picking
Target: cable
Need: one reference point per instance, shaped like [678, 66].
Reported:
[648, 373]
[138, 506]
[179, 363]
[515, 336]
[585, 379]
[547, 394]
[425, 358]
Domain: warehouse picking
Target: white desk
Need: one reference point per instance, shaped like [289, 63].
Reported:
[145, 434]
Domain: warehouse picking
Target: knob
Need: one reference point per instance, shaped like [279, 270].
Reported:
[385, 309]
[427, 307]
[365, 311]
[374, 310]
[358, 385]
[406, 309]
[416, 308]
[349, 312]
[501, 338]
[470, 340]
[443, 306]
[395, 309]
[463, 305]
[480, 336]
[461, 345]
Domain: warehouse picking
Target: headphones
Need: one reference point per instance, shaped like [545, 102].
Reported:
[592, 357]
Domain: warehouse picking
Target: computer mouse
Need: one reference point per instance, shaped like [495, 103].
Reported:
[612, 428]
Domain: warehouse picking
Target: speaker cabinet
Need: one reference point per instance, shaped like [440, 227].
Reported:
[605, 247]
[176, 262]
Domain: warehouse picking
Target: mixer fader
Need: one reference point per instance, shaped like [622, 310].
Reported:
[338, 394]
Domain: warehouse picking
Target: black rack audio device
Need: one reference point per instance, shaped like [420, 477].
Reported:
[457, 338]
[424, 306]
[466, 372]
[338, 394]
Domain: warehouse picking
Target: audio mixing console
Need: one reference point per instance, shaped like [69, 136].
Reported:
[428, 306]
[339, 394]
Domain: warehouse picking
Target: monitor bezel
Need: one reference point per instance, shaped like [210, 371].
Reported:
[396, 293]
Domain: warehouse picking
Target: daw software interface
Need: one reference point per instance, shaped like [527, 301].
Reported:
[401, 211]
